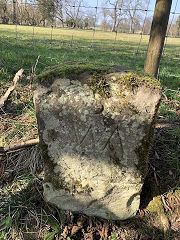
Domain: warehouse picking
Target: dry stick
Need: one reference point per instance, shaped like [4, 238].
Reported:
[19, 145]
[4, 98]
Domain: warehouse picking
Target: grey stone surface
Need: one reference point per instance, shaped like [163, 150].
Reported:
[95, 148]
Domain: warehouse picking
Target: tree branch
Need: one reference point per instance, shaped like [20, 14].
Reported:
[19, 145]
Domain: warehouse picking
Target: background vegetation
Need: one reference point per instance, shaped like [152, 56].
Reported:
[128, 16]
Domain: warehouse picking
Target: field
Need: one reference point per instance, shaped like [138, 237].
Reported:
[23, 212]
[21, 46]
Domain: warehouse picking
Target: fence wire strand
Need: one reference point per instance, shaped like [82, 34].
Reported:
[142, 30]
[92, 7]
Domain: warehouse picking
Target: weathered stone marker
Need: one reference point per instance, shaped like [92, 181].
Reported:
[96, 128]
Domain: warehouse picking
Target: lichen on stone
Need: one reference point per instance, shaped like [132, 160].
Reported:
[76, 186]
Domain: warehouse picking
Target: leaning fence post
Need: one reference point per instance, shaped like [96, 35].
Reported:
[157, 36]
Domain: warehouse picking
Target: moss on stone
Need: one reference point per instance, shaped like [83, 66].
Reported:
[50, 165]
[98, 84]
[70, 71]
[133, 80]
[155, 206]
[142, 153]
[143, 150]
[130, 82]
[156, 210]
[154, 189]
[146, 144]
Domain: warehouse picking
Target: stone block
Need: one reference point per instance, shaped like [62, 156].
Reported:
[96, 128]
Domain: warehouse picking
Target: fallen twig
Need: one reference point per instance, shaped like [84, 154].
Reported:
[19, 145]
[4, 98]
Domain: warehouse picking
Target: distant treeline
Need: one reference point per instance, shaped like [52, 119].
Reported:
[115, 15]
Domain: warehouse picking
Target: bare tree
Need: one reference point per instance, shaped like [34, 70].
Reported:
[47, 9]
[134, 8]
[115, 13]
[22, 11]
[173, 30]
[104, 22]
[73, 12]
[4, 11]
[59, 5]
[89, 19]
[147, 25]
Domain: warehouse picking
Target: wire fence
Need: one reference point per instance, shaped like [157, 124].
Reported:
[21, 45]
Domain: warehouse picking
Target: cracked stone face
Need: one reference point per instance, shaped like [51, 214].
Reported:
[95, 148]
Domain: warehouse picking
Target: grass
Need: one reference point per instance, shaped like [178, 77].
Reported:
[23, 212]
[21, 46]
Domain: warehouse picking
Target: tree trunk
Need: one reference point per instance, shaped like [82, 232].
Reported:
[157, 36]
[114, 21]
[77, 15]
[130, 27]
[115, 17]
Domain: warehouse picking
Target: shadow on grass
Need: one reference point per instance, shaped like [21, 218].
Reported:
[23, 53]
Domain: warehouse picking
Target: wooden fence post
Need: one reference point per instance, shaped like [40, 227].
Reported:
[157, 36]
